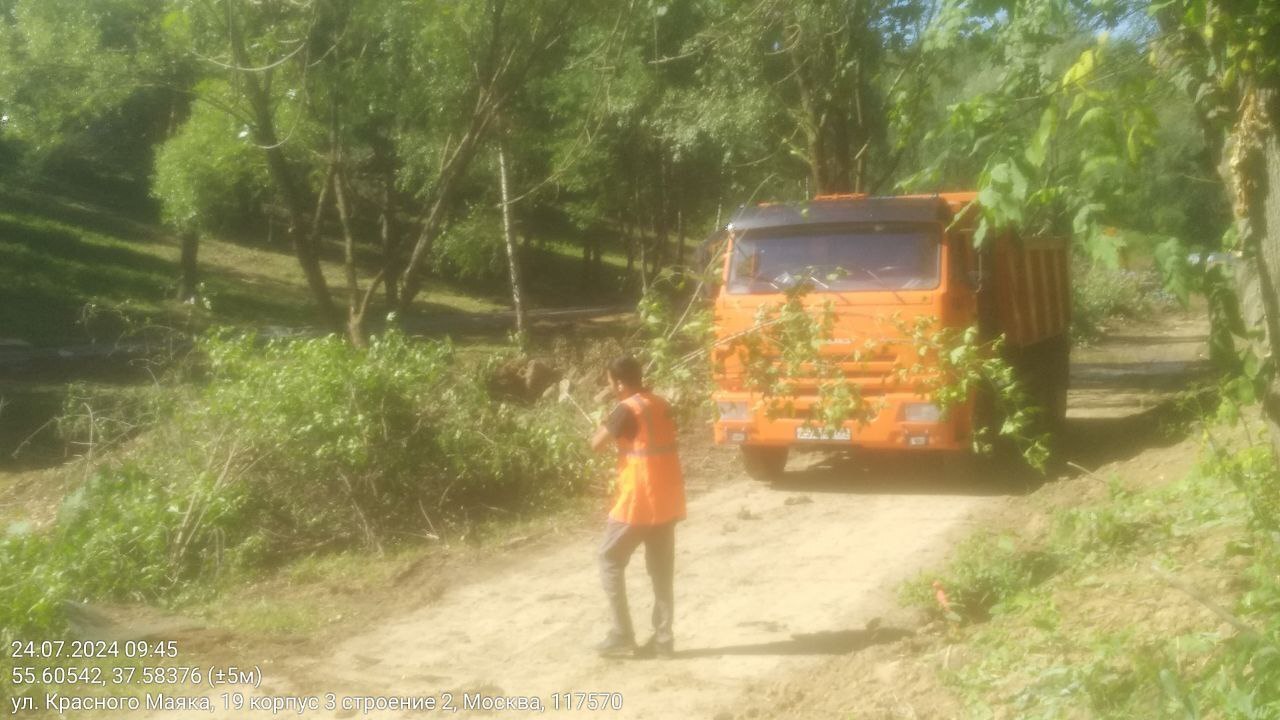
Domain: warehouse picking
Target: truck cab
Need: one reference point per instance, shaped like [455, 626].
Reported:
[875, 266]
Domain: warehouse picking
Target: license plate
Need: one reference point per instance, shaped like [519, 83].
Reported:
[823, 434]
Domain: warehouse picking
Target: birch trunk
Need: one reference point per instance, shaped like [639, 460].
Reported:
[513, 260]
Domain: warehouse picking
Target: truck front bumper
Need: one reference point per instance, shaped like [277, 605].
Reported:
[889, 429]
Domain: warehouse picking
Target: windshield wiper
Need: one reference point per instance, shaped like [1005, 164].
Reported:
[879, 281]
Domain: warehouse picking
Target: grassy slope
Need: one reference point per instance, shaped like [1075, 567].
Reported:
[57, 258]
[68, 271]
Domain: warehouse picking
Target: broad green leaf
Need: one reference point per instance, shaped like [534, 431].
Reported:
[1037, 150]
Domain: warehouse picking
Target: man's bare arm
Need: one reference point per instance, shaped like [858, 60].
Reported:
[601, 439]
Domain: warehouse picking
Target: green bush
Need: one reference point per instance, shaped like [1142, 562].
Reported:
[115, 539]
[288, 449]
[209, 176]
[1102, 293]
[1244, 677]
[343, 442]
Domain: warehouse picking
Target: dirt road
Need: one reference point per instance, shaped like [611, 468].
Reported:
[770, 581]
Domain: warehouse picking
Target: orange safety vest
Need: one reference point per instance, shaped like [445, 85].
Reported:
[650, 488]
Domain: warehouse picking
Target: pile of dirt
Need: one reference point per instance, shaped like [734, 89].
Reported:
[523, 379]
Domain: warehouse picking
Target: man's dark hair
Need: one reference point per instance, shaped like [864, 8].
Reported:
[626, 370]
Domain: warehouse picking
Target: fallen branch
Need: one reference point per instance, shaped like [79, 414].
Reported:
[1176, 582]
[1086, 471]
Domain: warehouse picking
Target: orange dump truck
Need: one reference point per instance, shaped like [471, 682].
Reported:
[872, 259]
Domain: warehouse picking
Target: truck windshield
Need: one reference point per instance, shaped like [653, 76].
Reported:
[872, 256]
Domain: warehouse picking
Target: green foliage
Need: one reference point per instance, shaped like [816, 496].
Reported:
[1254, 473]
[472, 249]
[788, 344]
[1243, 677]
[788, 347]
[116, 538]
[971, 370]
[1072, 130]
[294, 448]
[677, 330]
[1044, 656]
[1101, 294]
[345, 444]
[88, 85]
[209, 176]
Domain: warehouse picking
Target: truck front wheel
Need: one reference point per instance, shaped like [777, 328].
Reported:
[764, 463]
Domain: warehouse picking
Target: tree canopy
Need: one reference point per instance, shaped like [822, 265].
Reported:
[380, 129]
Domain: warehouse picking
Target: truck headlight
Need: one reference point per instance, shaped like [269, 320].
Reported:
[921, 413]
[733, 410]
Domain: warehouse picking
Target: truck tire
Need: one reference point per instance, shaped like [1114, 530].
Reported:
[764, 463]
[1050, 378]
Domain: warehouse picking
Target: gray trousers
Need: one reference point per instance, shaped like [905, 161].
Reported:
[620, 540]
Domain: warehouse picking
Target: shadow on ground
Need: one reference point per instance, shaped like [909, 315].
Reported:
[837, 642]
[879, 473]
[1087, 442]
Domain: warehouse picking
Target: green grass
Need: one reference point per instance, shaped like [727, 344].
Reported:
[63, 281]
[49, 272]
[75, 273]
[1102, 634]
[67, 279]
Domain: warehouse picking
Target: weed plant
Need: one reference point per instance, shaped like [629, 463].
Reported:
[288, 449]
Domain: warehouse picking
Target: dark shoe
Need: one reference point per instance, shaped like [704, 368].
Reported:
[656, 649]
[616, 647]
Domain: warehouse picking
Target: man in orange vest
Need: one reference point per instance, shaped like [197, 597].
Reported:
[649, 500]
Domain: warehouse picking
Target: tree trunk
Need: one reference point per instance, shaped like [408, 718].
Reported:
[451, 171]
[304, 237]
[1254, 177]
[662, 218]
[390, 231]
[680, 237]
[513, 260]
[629, 239]
[189, 268]
[861, 136]
[355, 308]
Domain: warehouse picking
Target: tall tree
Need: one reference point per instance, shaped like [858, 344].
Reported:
[827, 70]
[1059, 147]
[320, 88]
[1228, 56]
